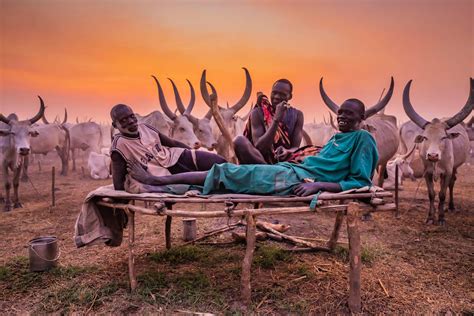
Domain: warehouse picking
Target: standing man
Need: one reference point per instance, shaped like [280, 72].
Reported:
[273, 131]
[157, 153]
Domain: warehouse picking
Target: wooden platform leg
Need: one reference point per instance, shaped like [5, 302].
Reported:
[131, 244]
[331, 244]
[168, 231]
[353, 213]
[245, 289]
[397, 188]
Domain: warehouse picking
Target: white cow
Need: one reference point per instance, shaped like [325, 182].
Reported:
[14, 146]
[99, 165]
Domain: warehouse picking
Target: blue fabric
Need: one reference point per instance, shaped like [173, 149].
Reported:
[348, 159]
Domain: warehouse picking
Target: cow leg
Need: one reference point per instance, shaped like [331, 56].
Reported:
[73, 155]
[6, 181]
[16, 185]
[451, 190]
[63, 155]
[382, 170]
[445, 179]
[26, 163]
[431, 195]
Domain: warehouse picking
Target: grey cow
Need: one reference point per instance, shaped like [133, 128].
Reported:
[14, 147]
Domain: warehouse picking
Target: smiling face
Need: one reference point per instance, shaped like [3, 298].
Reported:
[124, 119]
[349, 116]
[281, 91]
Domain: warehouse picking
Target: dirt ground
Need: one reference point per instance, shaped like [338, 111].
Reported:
[408, 267]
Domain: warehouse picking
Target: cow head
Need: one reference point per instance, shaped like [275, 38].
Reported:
[368, 112]
[228, 113]
[202, 127]
[21, 131]
[181, 129]
[435, 136]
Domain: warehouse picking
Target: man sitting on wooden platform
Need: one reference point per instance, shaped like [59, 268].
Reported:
[347, 161]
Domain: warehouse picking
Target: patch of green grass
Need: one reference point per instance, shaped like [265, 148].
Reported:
[66, 298]
[191, 281]
[268, 257]
[70, 272]
[368, 254]
[179, 255]
[303, 270]
[4, 273]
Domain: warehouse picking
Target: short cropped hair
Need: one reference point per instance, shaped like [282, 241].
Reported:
[288, 82]
[115, 109]
[359, 103]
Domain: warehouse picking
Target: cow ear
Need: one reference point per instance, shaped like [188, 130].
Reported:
[453, 135]
[419, 139]
[370, 128]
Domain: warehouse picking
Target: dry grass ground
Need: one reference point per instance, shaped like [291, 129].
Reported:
[424, 269]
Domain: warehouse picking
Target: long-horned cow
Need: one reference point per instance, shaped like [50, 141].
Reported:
[202, 127]
[52, 137]
[444, 146]
[235, 124]
[383, 127]
[14, 146]
[86, 136]
[319, 133]
[180, 127]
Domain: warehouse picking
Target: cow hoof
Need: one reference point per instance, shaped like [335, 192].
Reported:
[366, 217]
[451, 210]
[429, 221]
[442, 222]
[7, 208]
[17, 205]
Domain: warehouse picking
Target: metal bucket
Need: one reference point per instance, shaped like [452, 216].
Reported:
[43, 252]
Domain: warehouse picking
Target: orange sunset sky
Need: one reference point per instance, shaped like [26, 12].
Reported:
[89, 55]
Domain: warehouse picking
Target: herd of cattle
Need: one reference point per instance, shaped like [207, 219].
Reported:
[421, 148]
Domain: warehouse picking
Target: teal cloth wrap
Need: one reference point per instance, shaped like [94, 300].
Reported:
[348, 159]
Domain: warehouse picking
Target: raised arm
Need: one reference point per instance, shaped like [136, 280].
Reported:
[169, 142]
[263, 139]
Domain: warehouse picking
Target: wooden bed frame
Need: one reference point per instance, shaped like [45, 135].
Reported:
[349, 206]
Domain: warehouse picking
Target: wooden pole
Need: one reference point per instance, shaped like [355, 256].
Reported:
[39, 165]
[353, 213]
[245, 287]
[53, 195]
[332, 242]
[131, 244]
[397, 212]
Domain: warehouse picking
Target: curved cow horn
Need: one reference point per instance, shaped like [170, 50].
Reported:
[43, 118]
[4, 119]
[163, 104]
[246, 96]
[409, 110]
[204, 92]
[382, 103]
[465, 111]
[40, 112]
[214, 92]
[179, 102]
[65, 116]
[330, 103]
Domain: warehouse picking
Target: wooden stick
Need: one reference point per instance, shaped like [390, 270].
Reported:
[397, 213]
[215, 232]
[331, 244]
[383, 288]
[265, 227]
[269, 199]
[131, 244]
[53, 189]
[353, 213]
[39, 165]
[245, 287]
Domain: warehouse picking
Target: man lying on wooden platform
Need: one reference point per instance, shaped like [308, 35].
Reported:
[347, 161]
